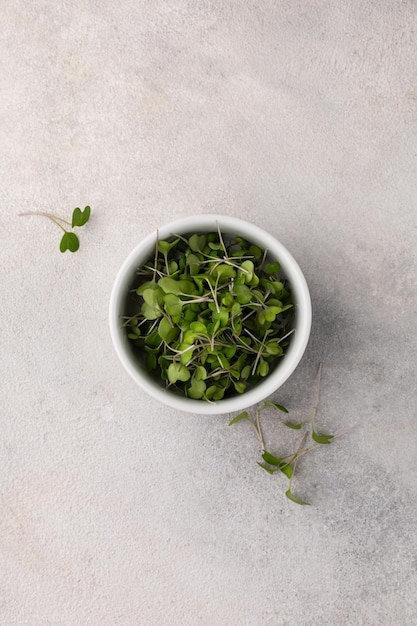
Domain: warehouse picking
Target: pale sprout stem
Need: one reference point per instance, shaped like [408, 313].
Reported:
[259, 431]
[316, 404]
[180, 352]
[54, 218]
[166, 263]
[296, 456]
[155, 271]
[287, 335]
[221, 239]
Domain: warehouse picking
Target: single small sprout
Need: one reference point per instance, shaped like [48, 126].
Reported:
[287, 463]
[69, 240]
[79, 218]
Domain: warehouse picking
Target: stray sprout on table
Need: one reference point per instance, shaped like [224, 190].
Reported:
[69, 240]
[287, 463]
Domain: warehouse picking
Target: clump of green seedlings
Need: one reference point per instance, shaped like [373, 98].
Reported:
[211, 314]
[69, 240]
[286, 463]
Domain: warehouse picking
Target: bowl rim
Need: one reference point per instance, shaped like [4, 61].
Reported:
[255, 234]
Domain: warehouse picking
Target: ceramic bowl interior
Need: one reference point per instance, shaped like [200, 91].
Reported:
[120, 305]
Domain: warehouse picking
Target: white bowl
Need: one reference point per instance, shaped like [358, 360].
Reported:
[234, 227]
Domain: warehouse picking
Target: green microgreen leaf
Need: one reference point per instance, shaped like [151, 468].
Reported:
[224, 363]
[271, 312]
[272, 268]
[196, 389]
[273, 348]
[167, 331]
[149, 284]
[221, 316]
[79, 218]
[243, 293]
[322, 439]
[287, 469]
[214, 393]
[242, 416]
[293, 498]
[270, 470]
[186, 350]
[200, 372]
[152, 297]
[224, 272]
[277, 289]
[247, 269]
[165, 246]
[193, 263]
[177, 371]
[256, 252]
[246, 371]
[173, 306]
[172, 267]
[153, 340]
[279, 407]
[214, 246]
[263, 368]
[150, 312]
[240, 386]
[271, 459]
[294, 426]
[230, 351]
[228, 301]
[197, 243]
[198, 327]
[69, 242]
[177, 287]
[189, 337]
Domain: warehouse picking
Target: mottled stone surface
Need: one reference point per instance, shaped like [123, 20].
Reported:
[302, 117]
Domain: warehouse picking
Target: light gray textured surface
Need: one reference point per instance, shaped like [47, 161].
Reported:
[302, 117]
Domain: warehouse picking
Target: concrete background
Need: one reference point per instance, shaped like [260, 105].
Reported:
[302, 117]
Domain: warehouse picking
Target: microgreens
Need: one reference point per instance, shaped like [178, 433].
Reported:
[287, 463]
[211, 315]
[69, 240]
